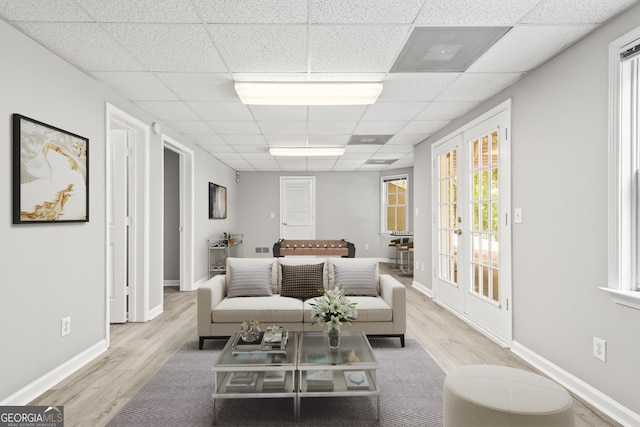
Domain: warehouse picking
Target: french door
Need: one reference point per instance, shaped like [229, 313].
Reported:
[472, 229]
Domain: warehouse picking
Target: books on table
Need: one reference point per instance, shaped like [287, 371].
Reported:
[242, 381]
[320, 380]
[273, 380]
[356, 380]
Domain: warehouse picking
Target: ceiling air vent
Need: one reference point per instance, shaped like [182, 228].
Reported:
[369, 139]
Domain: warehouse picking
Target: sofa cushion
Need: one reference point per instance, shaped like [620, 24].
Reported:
[240, 262]
[295, 260]
[249, 281]
[267, 310]
[370, 309]
[302, 281]
[352, 261]
[357, 279]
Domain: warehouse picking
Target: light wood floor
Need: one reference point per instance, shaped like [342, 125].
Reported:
[94, 394]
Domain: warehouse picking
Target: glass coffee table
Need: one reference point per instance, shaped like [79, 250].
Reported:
[347, 371]
[306, 367]
[258, 373]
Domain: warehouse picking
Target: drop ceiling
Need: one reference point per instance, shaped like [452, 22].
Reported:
[178, 60]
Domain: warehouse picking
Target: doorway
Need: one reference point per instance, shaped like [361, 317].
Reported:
[186, 188]
[127, 211]
[298, 207]
[471, 202]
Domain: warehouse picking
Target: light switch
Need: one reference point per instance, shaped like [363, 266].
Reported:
[517, 215]
[273, 215]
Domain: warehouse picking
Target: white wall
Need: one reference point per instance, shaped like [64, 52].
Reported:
[50, 271]
[559, 179]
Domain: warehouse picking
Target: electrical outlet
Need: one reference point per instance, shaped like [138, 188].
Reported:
[600, 349]
[65, 326]
[366, 246]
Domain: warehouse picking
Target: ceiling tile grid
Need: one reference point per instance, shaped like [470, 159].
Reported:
[178, 61]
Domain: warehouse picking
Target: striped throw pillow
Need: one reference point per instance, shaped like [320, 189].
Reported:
[250, 281]
[357, 280]
[302, 281]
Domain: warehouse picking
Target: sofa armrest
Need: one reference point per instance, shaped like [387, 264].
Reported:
[209, 295]
[395, 294]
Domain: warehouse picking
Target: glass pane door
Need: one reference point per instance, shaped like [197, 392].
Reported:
[448, 231]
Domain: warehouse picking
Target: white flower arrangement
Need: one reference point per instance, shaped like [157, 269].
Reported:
[333, 309]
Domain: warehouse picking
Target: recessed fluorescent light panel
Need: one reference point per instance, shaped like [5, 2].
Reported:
[445, 49]
[306, 151]
[308, 93]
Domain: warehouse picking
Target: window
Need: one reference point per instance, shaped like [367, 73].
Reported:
[395, 203]
[624, 158]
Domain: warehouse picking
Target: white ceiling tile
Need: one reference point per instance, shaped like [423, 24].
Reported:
[187, 127]
[43, 10]
[87, 46]
[202, 139]
[221, 110]
[332, 139]
[474, 12]
[406, 87]
[253, 11]
[361, 149]
[379, 127]
[228, 156]
[283, 128]
[445, 110]
[423, 127]
[255, 153]
[285, 140]
[477, 86]
[254, 140]
[320, 164]
[372, 167]
[325, 113]
[576, 12]
[136, 86]
[405, 139]
[525, 47]
[200, 86]
[169, 47]
[393, 111]
[386, 155]
[262, 48]
[234, 128]
[168, 11]
[220, 149]
[308, 77]
[365, 11]
[279, 113]
[396, 148]
[361, 48]
[330, 128]
[299, 164]
[239, 165]
[168, 110]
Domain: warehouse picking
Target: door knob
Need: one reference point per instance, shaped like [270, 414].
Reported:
[458, 231]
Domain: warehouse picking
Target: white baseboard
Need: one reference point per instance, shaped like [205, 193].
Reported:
[155, 312]
[172, 282]
[594, 397]
[423, 289]
[49, 380]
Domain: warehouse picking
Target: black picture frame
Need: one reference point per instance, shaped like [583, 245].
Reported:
[217, 201]
[50, 173]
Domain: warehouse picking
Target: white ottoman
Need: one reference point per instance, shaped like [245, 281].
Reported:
[486, 395]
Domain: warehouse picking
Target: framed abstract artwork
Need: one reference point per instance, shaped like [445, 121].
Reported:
[50, 174]
[217, 201]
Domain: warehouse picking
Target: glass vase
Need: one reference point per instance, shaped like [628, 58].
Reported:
[334, 338]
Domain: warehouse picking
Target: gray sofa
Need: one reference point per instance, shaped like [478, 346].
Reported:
[266, 289]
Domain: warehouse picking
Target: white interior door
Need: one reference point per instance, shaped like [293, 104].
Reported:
[472, 248]
[118, 233]
[298, 207]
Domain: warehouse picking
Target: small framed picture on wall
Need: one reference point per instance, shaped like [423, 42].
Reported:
[217, 201]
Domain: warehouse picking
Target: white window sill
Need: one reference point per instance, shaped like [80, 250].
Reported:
[627, 298]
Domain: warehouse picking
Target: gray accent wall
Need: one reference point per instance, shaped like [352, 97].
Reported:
[560, 122]
[51, 271]
[171, 216]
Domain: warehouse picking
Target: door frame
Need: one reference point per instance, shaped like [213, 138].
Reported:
[139, 228]
[505, 191]
[187, 199]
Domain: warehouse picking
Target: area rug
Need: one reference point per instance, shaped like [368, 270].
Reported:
[179, 394]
